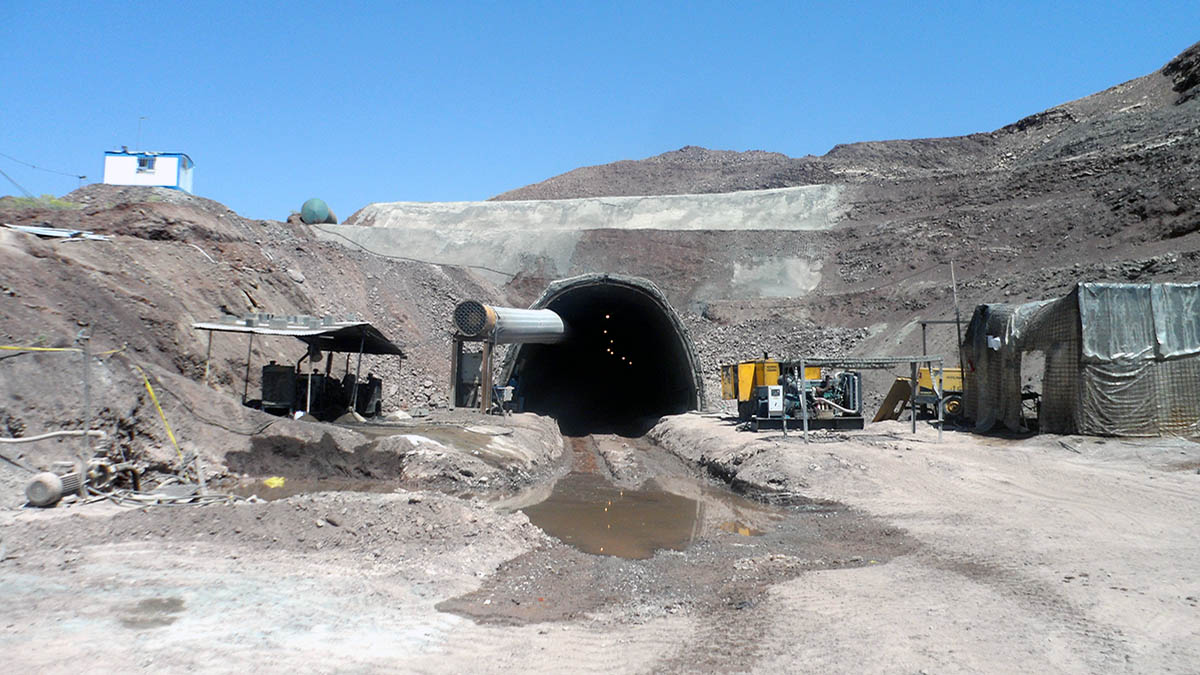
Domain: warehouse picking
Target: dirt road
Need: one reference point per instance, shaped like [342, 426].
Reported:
[892, 553]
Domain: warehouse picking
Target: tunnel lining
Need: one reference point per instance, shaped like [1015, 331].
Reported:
[648, 295]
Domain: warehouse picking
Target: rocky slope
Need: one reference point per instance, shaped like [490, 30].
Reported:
[1148, 109]
[175, 259]
[1106, 187]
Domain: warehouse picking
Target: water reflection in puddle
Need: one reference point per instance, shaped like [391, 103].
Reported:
[274, 488]
[595, 516]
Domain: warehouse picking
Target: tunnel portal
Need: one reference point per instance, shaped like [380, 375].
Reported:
[626, 361]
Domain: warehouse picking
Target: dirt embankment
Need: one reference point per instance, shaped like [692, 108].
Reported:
[174, 259]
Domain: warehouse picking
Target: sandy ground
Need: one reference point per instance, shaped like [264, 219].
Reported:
[1049, 554]
[1062, 554]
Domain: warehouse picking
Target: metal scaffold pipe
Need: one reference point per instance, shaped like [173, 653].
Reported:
[508, 325]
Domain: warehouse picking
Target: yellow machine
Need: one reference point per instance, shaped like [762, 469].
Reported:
[948, 391]
[739, 380]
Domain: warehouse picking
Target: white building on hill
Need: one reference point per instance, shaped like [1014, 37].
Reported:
[151, 169]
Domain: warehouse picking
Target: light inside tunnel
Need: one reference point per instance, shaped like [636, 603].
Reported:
[610, 324]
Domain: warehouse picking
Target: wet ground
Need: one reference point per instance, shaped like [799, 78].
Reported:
[592, 514]
[675, 540]
[271, 488]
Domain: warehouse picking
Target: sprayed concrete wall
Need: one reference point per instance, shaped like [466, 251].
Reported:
[557, 238]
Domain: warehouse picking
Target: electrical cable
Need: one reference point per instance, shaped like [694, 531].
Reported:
[178, 399]
[17, 464]
[32, 166]
[97, 433]
[161, 414]
[409, 259]
[19, 187]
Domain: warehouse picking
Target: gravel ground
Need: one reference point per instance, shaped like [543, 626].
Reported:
[970, 554]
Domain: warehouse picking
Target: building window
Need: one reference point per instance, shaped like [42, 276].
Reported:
[145, 165]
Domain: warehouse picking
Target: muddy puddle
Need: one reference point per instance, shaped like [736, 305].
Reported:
[278, 487]
[591, 514]
[677, 542]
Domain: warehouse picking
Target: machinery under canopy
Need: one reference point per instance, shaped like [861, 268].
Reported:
[288, 389]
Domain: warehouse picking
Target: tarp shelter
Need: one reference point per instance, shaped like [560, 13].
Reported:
[1120, 360]
[323, 333]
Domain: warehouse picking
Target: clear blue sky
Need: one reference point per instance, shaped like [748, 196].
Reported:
[278, 102]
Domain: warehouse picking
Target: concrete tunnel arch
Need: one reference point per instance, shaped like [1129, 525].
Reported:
[587, 387]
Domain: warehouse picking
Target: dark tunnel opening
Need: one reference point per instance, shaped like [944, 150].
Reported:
[627, 360]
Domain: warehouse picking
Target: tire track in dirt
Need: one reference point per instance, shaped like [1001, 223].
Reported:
[1041, 600]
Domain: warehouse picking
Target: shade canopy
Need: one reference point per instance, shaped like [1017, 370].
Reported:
[323, 333]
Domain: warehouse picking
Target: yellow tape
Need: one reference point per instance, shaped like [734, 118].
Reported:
[41, 349]
[146, 380]
[15, 348]
[153, 397]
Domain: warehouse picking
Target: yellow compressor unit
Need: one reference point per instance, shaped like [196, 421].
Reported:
[739, 381]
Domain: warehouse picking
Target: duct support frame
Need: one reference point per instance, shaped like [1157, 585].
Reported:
[485, 371]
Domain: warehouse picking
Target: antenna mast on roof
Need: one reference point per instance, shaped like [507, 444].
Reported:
[138, 147]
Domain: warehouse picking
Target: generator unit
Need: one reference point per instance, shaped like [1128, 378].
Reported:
[740, 381]
[769, 391]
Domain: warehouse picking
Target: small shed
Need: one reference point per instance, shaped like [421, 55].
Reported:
[149, 169]
[1119, 360]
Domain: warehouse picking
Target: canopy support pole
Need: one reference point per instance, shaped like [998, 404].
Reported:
[912, 397]
[804, 398]
[455, 366]
[207, 357]
[358, 370]
[246, 388]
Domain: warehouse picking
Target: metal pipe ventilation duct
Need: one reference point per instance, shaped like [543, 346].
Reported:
[508, 325]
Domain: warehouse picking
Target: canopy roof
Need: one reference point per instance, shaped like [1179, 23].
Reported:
[324, 333]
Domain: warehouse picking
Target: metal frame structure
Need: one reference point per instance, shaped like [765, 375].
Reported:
[322, 333]
[490, 325]
[485, 370]
[870, 363]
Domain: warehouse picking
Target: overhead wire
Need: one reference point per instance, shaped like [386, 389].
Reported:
[411, 259]
[19, 186]
[40, 168]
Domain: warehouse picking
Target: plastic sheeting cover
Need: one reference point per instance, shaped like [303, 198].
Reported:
[1176, 319]
[1117, 321]
[1120, 359]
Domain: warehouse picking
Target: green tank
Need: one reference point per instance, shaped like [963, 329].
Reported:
[316, 211]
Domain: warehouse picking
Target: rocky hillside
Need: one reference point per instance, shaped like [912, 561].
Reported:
[1150, 110]
[1106, 187]
[174, 259]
